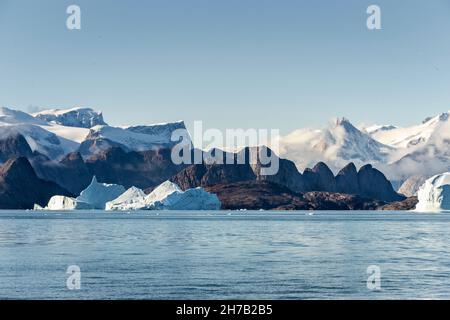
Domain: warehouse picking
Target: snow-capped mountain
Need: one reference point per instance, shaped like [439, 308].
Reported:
[337, 144]
[55, 133]
[75, 117]
[408, 137]
[137, 138]
[40, 135]
[419, 150]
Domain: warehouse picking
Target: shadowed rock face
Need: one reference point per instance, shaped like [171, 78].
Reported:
[347, 180]
[373, 184]
[147, 169]
[71, 172]
[202, 175]
[143, 169]
[287, 175]
[20, 187]
[320, 178]
[367, 183]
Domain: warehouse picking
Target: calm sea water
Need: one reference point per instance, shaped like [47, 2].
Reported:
[210, 255]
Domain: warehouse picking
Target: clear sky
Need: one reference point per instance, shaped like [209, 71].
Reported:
[231, 63]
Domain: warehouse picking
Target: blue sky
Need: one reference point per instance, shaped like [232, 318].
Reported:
[231, 63]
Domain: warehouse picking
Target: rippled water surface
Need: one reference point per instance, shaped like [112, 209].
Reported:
[209, 255]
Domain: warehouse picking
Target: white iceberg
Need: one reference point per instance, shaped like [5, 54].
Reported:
[98, 194]
[434, 194]
[66, 203]
[161, 192]
[132, 199]
[113, 197]
[168, 196]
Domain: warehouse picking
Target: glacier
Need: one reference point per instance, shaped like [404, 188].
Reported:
[434, 194]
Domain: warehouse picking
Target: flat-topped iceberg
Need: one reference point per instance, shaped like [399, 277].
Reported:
[434, 194]
[132, 199]
[66, 203]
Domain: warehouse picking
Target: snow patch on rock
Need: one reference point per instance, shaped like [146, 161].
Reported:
[75, 117]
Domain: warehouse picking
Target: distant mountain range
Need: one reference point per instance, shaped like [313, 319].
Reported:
[401, 153]
[56, 133]
[68, 147]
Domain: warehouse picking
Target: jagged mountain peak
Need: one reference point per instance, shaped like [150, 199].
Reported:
[343, 122]
[321, 166]
[75, 117]
[337, 144]
[348, 168]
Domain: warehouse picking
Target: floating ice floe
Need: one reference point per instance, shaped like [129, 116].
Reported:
[434, 194]
[167, 196]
